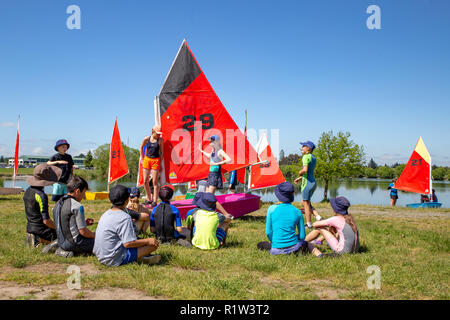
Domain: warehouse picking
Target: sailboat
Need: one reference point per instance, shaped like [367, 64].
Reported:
[13, 189]
[189, 112]
[117, 165]
[416, 177]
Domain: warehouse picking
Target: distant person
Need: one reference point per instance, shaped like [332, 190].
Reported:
[217, 158]
[233, 182]
[71, 225]
[394, 192]
[116, 242]
[285, 227]
[165, 220]
[306, 176]
[434, 197]
[40, 227]
[154, 146]
[209, 227]
[139, 213]
[65, 162]
[424, 198]
[339, 231]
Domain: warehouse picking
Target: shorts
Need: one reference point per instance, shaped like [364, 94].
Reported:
[220, 234]
[151, 163]
[215, 179]
[59, 189]
[131, 256]
[308, 191]
[292, 249]
[83, 245]
[394, 197]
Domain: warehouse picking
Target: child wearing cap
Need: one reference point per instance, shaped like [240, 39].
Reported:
[285, 228]
[116, 242]
[165, 220]
[306, 176]
[63, 161]
[347, 239]
[217, 157]
[40, 227]
[151, 151]
[139, 213]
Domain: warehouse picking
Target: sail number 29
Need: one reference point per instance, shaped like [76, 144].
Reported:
[414, 162]
[206, 119]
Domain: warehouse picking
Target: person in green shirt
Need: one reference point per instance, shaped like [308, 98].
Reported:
[306, 176]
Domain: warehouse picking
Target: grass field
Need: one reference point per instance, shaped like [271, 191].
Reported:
[411, 248]
[5, 172]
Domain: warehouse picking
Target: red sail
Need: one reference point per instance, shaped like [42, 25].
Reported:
[190, 112]
[267, 174]
[416, 177]
[240, 174]
[117, 162]
[140, 177]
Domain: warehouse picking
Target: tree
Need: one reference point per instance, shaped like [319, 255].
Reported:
[2, 159]
[290, 159]
[439, 173]
[372, 164]
[385, 172]
[399, 169]
[281, 155]
[101, 160]
[89, 160]
[337, 157]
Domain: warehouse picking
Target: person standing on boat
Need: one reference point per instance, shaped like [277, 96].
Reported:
[306, 175]
[393, 193]
[152, 163]
[218, 157]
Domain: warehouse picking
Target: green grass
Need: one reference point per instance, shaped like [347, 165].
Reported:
[20, 171]
[412, 249]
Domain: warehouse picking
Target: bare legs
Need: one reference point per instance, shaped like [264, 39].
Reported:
[144, 251]
[308, 211]
[155, 177]
[148, 191]
[393, 202]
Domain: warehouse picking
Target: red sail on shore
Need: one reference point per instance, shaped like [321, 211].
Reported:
[240, 173]
[16, 153]
[190, 112]
[117, 162]
[140, 177]
[416, 177]
[266, 174]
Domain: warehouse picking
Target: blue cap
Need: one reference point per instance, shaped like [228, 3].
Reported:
[285, 192]
[340, 205]
[60, 143]
[215, 138]
[135, 192]
[206, 201]
[309, 144]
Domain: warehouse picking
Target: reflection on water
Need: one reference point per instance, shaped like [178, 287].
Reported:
[358, 191]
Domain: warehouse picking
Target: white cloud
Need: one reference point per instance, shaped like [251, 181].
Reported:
[38, 151]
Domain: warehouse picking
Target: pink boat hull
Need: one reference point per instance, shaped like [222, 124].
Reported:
[237, 204]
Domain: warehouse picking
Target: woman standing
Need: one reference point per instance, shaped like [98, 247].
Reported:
[218, 157]
[393, 193]
[153, 146]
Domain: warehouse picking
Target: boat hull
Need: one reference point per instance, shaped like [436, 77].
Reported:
[425, 205]
[237, 204]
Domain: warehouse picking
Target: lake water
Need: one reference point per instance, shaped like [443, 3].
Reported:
[358, 191]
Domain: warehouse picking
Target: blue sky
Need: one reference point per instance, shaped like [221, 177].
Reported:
[303, 67]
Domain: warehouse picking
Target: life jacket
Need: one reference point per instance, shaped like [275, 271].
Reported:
[62, 214]
[164, 221]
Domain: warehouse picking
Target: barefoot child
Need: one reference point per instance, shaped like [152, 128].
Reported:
[63, 161]
[218, 157]
[138, 212]
[339, 231]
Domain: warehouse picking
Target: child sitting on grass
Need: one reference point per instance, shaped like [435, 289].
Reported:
[165, 220]
[63, 161]
[116, 242]
[71, 226]
[40, 226]
[138, 212]
[343, 224]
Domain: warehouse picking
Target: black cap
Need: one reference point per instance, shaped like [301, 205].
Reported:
[118, 195]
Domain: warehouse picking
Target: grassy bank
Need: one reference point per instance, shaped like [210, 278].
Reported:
[8, 172]
[411, 248]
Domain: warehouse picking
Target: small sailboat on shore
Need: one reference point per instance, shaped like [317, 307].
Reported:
[416, 177]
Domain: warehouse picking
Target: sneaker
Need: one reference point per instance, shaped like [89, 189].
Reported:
[184, 243]
[63, 253]
[318, 218]
[31, 240]
[51, 247]
[308, 226]
[151, 259]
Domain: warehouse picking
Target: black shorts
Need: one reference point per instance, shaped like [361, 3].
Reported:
[394, 197]
[215, 180]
